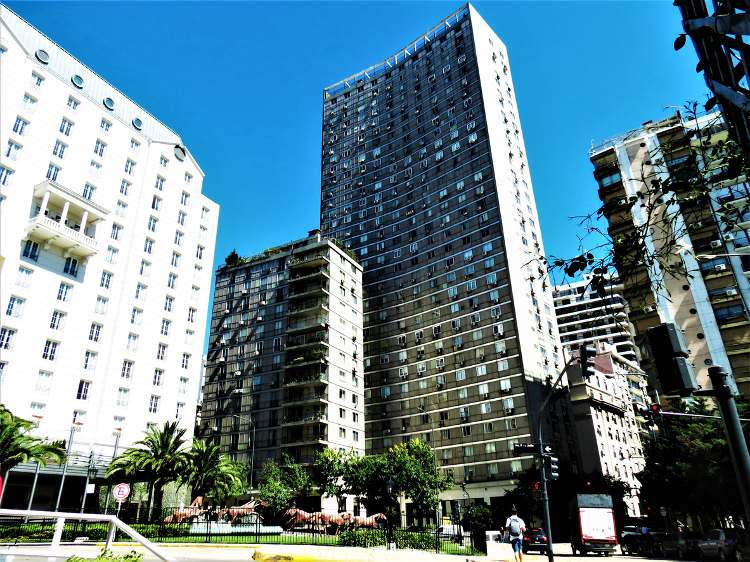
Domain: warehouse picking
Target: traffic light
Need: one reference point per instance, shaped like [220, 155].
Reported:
[552, 467]
[669, 356]
[587, 355]
[536, 486]
[652, 414]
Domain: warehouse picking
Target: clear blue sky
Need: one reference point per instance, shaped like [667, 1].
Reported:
[241, 82]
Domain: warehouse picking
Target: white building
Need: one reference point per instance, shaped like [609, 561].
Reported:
[106, 252]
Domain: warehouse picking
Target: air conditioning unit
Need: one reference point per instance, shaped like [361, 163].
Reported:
[728, 237]
[259, 319]
[508, 411]
[486, 395]
[716, 243]
[720, 267]
[237, 373]
[731, 292]
[244, 291]
[648, 309]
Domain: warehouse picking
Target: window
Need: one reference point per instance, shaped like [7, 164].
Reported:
[165, 324]
[52, 172]
[43, 381]
[127, 369]
[57, 320]
[59, 149]
[29, 102]
[181, 216]
[163, 161]
[184, 198]
[185, 361]
[99, 147]
[199, 252]
[179, 410]
[101, 305]
[106, 280]
[63, 292]
[23, 278]
[83, 390]
[168, 302]
[161, 351]
[158, 377]
[148, 245]
[6, 338]
[178, 236]
[95, 331]
[15, 306]
[129, 166]
[152, 222]
[140, 291]
[176, 259]
[105, 125]
[50, 350]
[19, 127]
[183, 387]
[123, 396]
[481, 370]
[153, 405]
[159, 184]
[5, 174]
[145, 268]
[79, 416]
[132, 342]
[134, 144]
[188, 177]
[136, 316]
[12, 150]
[65, 127]
[125, 187]
[88, 191]
[116, 230]
[156, 203]
[172, 280]
[191, 314]
[31, 250]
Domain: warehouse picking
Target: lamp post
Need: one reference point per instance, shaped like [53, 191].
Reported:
[389, 529]
[90, 473]
[118, 433]
[68, 451]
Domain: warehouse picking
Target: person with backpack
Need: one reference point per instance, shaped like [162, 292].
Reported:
[515, 528]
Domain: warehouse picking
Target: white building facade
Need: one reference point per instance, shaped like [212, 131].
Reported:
[106, 252]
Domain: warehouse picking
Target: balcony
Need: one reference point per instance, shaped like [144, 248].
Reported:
[302, 324]
[308, 306]
[64, 219]
[299, 418]
[307, 355]
[300, 289]
[307, 261]
[305, 378]
[302, 340]
[305, 274]
[299, 396]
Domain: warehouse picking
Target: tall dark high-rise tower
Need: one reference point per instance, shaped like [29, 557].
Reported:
[424, 174]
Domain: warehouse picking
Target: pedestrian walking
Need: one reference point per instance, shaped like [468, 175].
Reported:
[515, 528]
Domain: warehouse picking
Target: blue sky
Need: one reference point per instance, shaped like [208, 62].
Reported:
[242, 84]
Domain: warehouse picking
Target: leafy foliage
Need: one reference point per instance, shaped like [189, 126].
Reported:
[280, 485]
[158, 458]
[109, 556]
[17, 445]
[689, 461]
[210, 473]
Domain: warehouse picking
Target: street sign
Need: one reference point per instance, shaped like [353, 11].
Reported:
[121, 492]
[525, 448]
[91, 488]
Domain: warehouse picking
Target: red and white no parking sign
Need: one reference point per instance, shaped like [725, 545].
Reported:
[121, 492]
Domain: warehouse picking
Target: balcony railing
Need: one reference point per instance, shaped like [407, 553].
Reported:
[307, 378]
[307, 260]
[52, 232]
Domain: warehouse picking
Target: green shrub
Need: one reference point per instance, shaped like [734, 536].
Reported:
[418, 540]
[366, 538]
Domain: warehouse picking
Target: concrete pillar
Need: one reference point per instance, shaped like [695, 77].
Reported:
[64, 216]
[84, 218]
[45, 201]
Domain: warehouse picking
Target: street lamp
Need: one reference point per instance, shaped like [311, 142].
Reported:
[389, 486]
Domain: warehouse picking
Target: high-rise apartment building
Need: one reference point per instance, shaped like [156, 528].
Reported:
[584, 317]
[425, 176]
[106, 252]
[607, 434]
[709, 304]
[284, 371]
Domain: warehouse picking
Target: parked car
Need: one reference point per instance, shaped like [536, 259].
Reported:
[680, 545]
[721, 544]
[630, 539]
[535, 539]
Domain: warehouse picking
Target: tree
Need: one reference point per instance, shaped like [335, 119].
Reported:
[210, 473]
[331, 469]
[17, 445]
[232, 258]
[688, 461]
[413, 471]
[158, 458]
[280, 485]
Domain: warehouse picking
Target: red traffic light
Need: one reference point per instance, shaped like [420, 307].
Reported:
[655, 408]
[536, 486]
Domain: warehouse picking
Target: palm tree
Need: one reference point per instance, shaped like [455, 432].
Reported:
[210, 473]
[17, 445]
[158, 458]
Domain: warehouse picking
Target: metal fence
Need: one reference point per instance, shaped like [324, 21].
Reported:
[244, 526]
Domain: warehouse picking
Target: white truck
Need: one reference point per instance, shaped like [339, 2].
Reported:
[593, 524]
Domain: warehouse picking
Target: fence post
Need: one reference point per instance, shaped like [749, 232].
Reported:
[57, 537]
[110, 535]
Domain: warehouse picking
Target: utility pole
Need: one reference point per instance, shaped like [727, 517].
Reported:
[724, 392]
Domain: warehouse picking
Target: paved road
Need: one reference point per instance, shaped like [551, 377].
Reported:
[302, 553]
